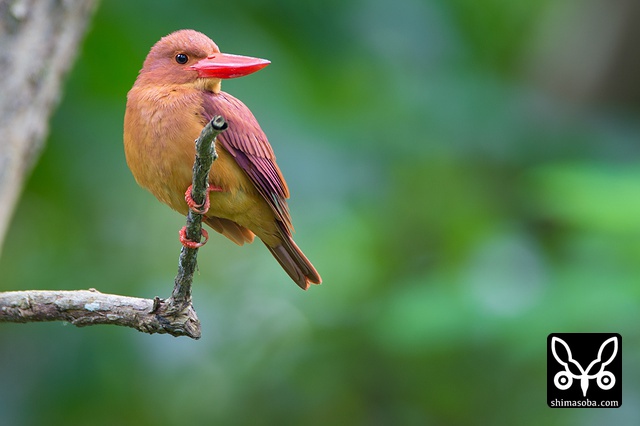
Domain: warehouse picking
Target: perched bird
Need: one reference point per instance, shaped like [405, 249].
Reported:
[176, 93]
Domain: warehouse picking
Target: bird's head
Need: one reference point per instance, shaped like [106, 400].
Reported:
[192, 58]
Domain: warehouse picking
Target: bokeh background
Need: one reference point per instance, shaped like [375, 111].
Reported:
[465, 176]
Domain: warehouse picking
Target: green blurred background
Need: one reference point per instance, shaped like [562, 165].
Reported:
[464, 176]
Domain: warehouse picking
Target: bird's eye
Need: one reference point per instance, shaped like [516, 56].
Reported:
[181, 58]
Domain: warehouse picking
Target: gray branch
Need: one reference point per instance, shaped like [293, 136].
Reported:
[174, 315]
[38, 43]
[205, 156]
[90, 307]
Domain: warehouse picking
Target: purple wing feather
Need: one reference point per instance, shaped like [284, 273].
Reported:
[247, 143]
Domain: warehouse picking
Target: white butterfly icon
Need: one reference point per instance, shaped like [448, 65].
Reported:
[564, 379]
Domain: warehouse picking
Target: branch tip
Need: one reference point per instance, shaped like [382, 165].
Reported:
[219, 123]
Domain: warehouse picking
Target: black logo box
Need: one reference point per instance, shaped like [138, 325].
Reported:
[588, 363]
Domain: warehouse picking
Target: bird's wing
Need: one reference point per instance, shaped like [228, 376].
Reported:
[247, 143]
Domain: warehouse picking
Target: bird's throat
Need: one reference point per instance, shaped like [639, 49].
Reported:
[209, 84]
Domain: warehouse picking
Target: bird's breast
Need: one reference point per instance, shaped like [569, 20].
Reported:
[161, 125]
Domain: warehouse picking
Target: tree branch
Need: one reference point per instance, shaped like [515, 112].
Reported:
[39, 41]
[205, 156]
[174, 316]
[90, 307]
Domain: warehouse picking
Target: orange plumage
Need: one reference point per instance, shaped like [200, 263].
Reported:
[176, 93]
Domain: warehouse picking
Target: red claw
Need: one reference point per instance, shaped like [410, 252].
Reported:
[192, 244]
[200, 208]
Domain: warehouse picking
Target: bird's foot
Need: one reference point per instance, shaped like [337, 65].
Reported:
[189, 243]
[204, 207]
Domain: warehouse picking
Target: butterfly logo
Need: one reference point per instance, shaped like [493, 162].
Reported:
[564, 379]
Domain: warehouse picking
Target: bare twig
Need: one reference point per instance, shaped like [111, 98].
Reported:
[205, 156]
[90, 307]
[174, 316]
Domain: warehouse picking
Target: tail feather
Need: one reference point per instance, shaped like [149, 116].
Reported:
[295, 263]
[236, 233]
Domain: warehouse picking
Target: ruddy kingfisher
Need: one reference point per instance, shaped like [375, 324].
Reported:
[176, 93]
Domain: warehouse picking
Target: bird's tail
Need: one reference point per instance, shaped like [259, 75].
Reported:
[295, 263]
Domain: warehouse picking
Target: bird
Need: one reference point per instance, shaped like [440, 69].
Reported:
[176, 93]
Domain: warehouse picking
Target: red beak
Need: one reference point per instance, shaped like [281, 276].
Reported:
[224, 65]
